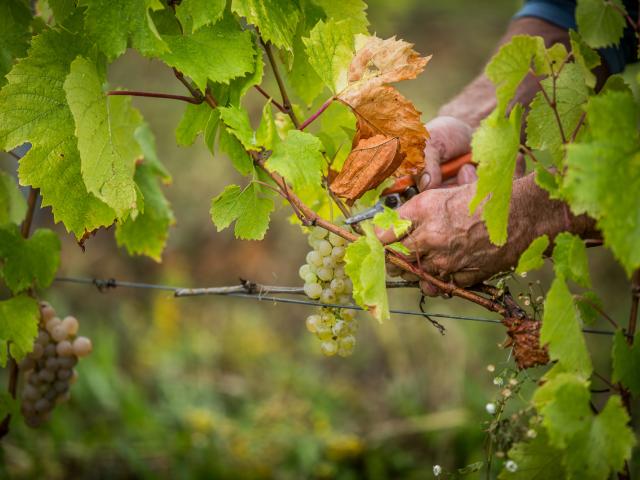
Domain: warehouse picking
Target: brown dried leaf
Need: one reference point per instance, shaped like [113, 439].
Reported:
[383, 110]
[368, 164]
[524, 338]
[380, 61]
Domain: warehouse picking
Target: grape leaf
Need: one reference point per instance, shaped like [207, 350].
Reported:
[329, 51]
[372, 161]
[599, 21]
[194, 14]
[587, 303]
[571, 94]
[353, 12]
[536, 460]
[237, 122]
[9, 405]
[399, 247]
[12, 203]
[19, 318]
[192, 54]
[247, 207]
[62, 9]
[511, 64]
[276, 19]
[230, 145]
[193, 122]
[561, 330]
[365, 265]
[30, 262]
[266, 135]
[570, 259]
[626, 363]
[495, 147]
[15, 21]
[238, 87]
[389, 218]
[532, 258]
[33, 108]
[298, 158]
[610, 156]
[145, 138]
[585, 57]
[115, 23]
[147, 233]
[105, 128]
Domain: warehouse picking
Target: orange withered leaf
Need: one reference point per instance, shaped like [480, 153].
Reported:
[369, 164]
[383, 110]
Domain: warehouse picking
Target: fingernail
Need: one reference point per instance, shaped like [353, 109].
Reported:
[425, 180]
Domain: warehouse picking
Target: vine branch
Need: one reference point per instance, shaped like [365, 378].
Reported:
[286, 103]
[134, 93]
[264, 93]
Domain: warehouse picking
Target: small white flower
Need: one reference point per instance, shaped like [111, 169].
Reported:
[511, 466]
[490, 408]
[498, 381]
[491, 368]
[437, 470]
[523, 274]
[531, 433]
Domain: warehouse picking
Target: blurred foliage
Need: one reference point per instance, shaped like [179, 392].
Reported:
[225, 388]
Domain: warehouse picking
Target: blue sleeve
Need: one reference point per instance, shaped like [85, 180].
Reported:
[562, 14]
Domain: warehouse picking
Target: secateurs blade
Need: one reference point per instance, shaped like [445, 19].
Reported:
[405, 188]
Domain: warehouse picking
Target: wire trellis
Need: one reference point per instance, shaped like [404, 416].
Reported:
[265, 293]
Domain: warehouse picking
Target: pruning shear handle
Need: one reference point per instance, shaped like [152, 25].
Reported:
[405, 187]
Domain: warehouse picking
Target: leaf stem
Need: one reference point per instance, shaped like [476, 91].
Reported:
[286, 103]
[602, 313]
[275, 103]
[188, 85]
[552, 102]
[133, 93]
[313, 117]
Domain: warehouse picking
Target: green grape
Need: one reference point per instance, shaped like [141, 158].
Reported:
[337, 285]
[314, 258]
[313, 290]
[327, 317]
[304, 270]
[311, 278]
[324, 332]
[312, 323]
[325, 274]
[338, 253]
[339, 272]
[327, 296]
[336, 240]
[339, 328]
[329, 347]
[318, 233]
[71, 325]
[323, 248]
[329, 262]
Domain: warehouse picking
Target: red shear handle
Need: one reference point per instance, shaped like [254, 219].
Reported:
[449, 170]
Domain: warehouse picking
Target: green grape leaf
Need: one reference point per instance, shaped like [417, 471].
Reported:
[277, 20]
[543, 132]
[365, 265]
[15, 22]
[298, 158]
[33, 108]
[12, 203]
[389, 218]
[113, 24]
[105, 128]
[194, 14]
[536, 459]
[532, 258]
[588, 304]
[495, 147]
[601, 23]
[561, 330]
[353, 12]
[585, 57]
[266, 135]
[547, 180]
[237, 121]
[147, 141]
[329, 50]
[570, 259]
[302, 76]
[9, 405]
[609, 157]
[626, 363]
[247, 207]
[30, 262]
[147, 233]
[62, 9]
[338, 127]
[239, 157]
[192, 54]
[399, 247]
[19, 317]
[193, 122]
[511, 64]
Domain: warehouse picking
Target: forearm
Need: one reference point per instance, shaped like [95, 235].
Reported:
[478, 99]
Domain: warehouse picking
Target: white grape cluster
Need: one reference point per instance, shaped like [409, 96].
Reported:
[48, 369]
[325, 280]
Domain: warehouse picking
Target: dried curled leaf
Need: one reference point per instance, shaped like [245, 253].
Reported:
[524, 338]
[369, 163]
[383, 110]
[380, 61]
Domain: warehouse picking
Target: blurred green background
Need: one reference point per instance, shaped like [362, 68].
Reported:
[214, 387]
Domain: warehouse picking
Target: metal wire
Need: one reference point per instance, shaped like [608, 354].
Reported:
[262, 293]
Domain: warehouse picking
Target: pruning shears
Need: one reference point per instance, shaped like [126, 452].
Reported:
[405, 187]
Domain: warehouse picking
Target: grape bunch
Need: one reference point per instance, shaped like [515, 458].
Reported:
[325, 280]
[49, 368]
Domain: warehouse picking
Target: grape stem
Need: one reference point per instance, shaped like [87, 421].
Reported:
[133, 93]
[286, 103]
[12, 387]
[320, 111]
[264, 93]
